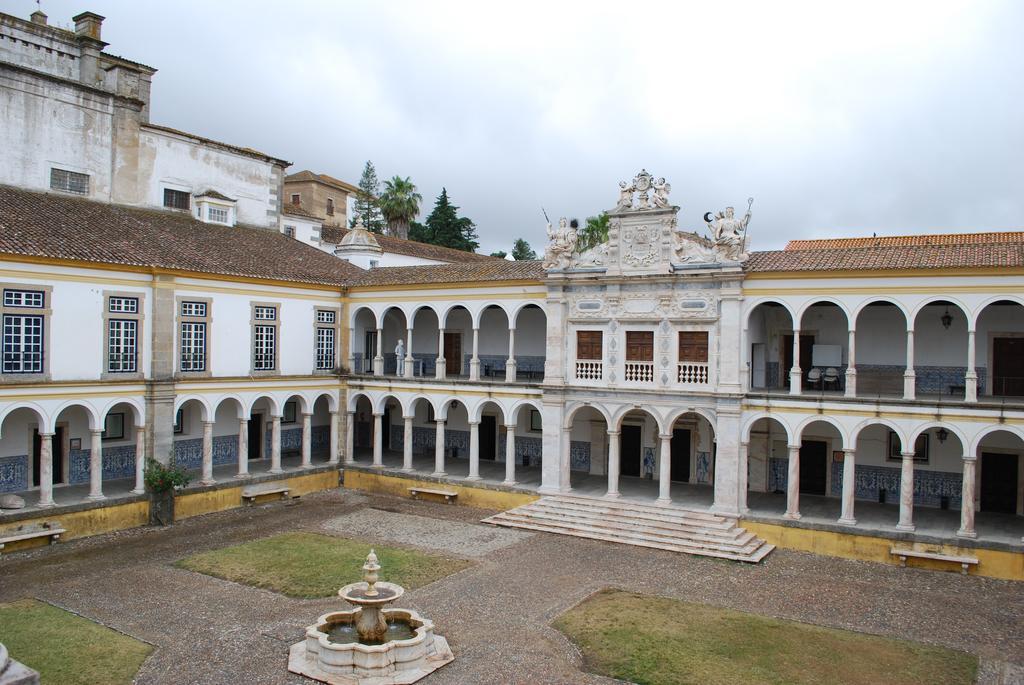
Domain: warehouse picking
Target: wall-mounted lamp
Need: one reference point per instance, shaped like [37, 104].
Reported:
[942, 434]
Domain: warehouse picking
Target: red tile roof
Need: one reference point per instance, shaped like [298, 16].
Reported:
[57, 226]
[411, 248]
[495, 270]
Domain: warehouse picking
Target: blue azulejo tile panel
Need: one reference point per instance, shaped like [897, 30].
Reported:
[778, 474]
[118, 462]
[189, 453]
[579, 453]
[397, 434]
[930, 487]
[429, 363]
[14, 473]
[225, 449]
[703, 467]
[459, 440]
[528, 450]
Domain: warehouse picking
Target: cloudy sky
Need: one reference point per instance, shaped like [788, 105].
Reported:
[838, 118]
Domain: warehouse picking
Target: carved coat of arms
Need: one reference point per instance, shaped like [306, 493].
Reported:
[639, 245]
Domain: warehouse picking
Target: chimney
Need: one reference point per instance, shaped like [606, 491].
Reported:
[88, 25]
[38, 17]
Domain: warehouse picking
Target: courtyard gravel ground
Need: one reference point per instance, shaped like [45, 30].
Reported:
[495, 614]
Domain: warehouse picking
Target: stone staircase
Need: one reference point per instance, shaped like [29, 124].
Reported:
[632, 523]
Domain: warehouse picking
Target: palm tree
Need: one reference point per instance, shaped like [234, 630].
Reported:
[400, 204]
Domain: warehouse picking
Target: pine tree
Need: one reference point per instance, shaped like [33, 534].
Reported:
[366, 205]
[500, 254]
[445, 227]
[521, 250]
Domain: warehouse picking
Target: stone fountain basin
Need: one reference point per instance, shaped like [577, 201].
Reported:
[396, 661]
[354, 593]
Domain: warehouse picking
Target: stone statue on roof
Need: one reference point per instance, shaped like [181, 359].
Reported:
[562, 244]
[729, 233]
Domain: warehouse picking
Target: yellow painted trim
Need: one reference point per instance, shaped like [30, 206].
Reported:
[448, 286]
[80, 524]
[882, 290]
[468, 496]
[67, 395]
[927, 412]
[883, 273]
[992, 563]
[199, 503]
[19, 274]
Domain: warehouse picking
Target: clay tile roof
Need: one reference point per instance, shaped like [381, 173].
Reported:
[297, 210]
[61, 227]
[953, 251]
[307, 175]
[495, 270]
[335, 234]
[215, 195]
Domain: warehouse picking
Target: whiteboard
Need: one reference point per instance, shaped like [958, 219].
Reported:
[827, 355]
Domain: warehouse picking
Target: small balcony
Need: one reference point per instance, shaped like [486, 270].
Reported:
[639, 372]
[589, 370]
[693, 373]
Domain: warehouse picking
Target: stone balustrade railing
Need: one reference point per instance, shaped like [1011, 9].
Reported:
[589, 370]
[693, 373]
[639, 372]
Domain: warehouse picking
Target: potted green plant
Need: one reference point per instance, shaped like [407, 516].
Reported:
[161, 482]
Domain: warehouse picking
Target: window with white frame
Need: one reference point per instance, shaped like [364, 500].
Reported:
[324, 348]
[264, 347]
[23, 331]
[122, 345]
[218, 215]
[326, 316]
[192, 339]
[123, 305]
[263, 313]
[69, 181]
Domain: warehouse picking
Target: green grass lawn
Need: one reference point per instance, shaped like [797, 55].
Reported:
[307, 565]
[658, 641]
[67, 649]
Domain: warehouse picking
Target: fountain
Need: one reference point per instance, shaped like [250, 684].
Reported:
[370, 645]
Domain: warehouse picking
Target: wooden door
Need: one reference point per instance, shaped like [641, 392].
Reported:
[630, 450]
[488, 434]
[806, 350]
[57, 449]
[1008, 367]
[255, 436]
[681, 455]
[453, 354]
[813, 467]
[999, 482]
[640, 346]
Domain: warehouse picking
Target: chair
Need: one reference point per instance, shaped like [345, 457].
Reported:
[831, 378]
[814, 376]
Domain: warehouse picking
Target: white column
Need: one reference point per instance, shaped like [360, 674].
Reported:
[793, 484]
[742, 484]
[795, 373]
[439, 448]
[474, 451]
[307, 440]
[565, 462]
[510, 363]
[847, 518]
[474, 361]
[207, 478]
[851, 365]
[140, 461]
[45, 470]
[243, 448]
[275, 445]
[352, 350]
[96, 465]
[334, 442]
[906, 493]
[350, 437]
[407, 445]
[967, 499]
[378, 439]
[378, 357]
[510, 454]
[439, 363]
[665, 469]
[909, 377]
[409, 361]
[613, 465]
[745, 370]
[971, 377]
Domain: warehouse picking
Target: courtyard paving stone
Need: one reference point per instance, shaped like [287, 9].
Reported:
[496, 614]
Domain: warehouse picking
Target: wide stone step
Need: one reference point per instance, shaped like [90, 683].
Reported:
[657, 527]
[663, 516]
[753, 555]
[632, 506]
[738, 544]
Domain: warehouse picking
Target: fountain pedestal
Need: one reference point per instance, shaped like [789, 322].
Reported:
[370, 645]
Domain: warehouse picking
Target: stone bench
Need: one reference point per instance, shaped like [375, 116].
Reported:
[250, 494]
[964, 561]
[47, 530]
[449, 495]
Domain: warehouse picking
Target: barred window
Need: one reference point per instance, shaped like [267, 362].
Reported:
[193, 345]
[218, 215]
[196, 309]
[325, 316]
[325, 348]
[32, 299]
[123, 305]
[265, 313]
[289, 231]
[122, 345]
[23, 344]
[69, 181]
[264, 345]
[177, 199]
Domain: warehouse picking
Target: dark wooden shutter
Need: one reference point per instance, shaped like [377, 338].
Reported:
[693, 346]
[588, 345]
[640, 346]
